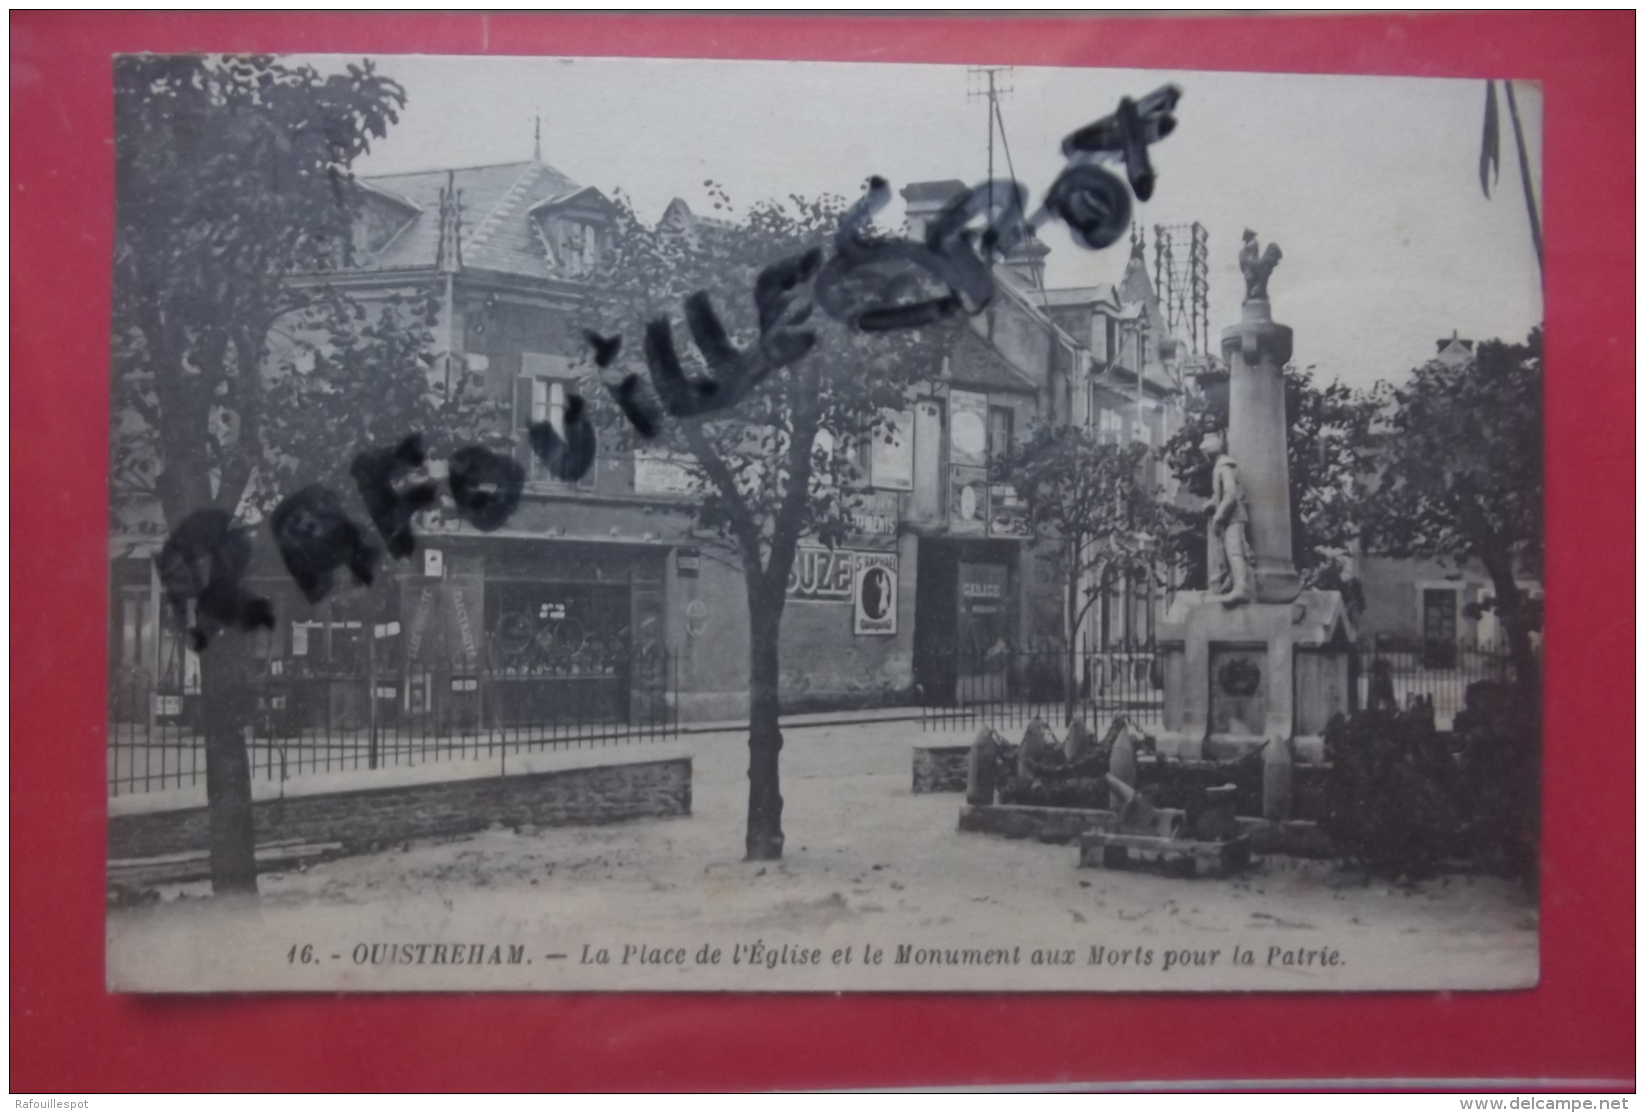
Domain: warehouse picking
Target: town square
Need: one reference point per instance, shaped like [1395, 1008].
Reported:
[1098, 571]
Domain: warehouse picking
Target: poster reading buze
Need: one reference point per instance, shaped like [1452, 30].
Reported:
[1002, 529]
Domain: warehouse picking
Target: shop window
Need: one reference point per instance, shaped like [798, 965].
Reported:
[557, 652]
[850, 450]
[149, 650]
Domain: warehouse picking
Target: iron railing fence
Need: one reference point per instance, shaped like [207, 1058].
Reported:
[319, 723]
[1011, 688]
[1406, 670]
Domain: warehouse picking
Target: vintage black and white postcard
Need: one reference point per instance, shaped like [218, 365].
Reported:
[603, 524]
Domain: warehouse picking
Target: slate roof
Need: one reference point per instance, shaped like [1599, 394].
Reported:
[497, 232]
[973, 361]
[1134, 285]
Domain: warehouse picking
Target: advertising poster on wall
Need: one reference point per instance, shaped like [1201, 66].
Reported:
[968, 429]
[891, 457]
[1007, 512]
[821, 575]
[875, 594]
[875, 514]
[967, 499]
[662, 473]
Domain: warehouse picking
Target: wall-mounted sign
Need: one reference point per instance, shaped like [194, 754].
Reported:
[419, 622]
[687, 563]
[967, 429]
[876, 593]
[891, 455]
[967, 499]
[465, 605]
[663, 473]
[983, 588]
[875, 513]
[434, 563]
[696, 618]
[821, 575]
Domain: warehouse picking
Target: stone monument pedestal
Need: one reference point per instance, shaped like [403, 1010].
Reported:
[1238, 676]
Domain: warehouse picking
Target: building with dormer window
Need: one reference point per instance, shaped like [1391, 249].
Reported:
[595, 602]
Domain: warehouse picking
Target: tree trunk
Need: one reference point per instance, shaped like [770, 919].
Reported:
[1524, 768]
[1510, 603]
[765, 738]
[227, 700]
[1071, 686]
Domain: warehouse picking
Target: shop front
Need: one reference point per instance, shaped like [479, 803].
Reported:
[522, 633]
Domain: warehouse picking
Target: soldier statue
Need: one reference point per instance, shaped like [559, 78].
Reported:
[1229, 573]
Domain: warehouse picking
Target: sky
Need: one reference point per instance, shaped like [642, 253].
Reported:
[1370, 185]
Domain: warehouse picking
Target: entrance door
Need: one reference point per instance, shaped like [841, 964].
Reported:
[1439, 628]
[936, 586]
[984, 632]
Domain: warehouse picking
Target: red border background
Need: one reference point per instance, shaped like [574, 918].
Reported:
[68, 1035]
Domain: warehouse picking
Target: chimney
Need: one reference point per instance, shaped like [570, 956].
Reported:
[922, 201]
[1027, 261]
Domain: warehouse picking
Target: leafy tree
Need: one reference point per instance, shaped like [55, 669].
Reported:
[1330, 437]
[1460, 476]
[780, 465]
[1092, 514]
[238, 367]
[231, 176]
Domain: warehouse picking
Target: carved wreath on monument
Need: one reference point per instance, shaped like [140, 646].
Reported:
[1239, 677]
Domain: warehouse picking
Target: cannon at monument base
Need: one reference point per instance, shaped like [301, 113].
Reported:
[1155, 837]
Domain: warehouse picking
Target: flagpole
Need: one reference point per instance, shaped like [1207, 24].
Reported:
[1525, 173]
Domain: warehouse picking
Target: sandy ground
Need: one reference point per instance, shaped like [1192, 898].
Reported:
[869, 866]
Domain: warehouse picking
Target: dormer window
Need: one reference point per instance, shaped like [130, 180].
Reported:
[575, 231]
[578, 245]
[381, 217]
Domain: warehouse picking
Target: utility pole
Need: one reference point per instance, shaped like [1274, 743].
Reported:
[991, 97]
[990, 84]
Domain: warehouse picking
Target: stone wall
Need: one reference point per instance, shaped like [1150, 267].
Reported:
[941, 768]
[1298, 837]
[365, 818]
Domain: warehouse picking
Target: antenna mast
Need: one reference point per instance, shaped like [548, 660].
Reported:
[994, 83]
[990, 83]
